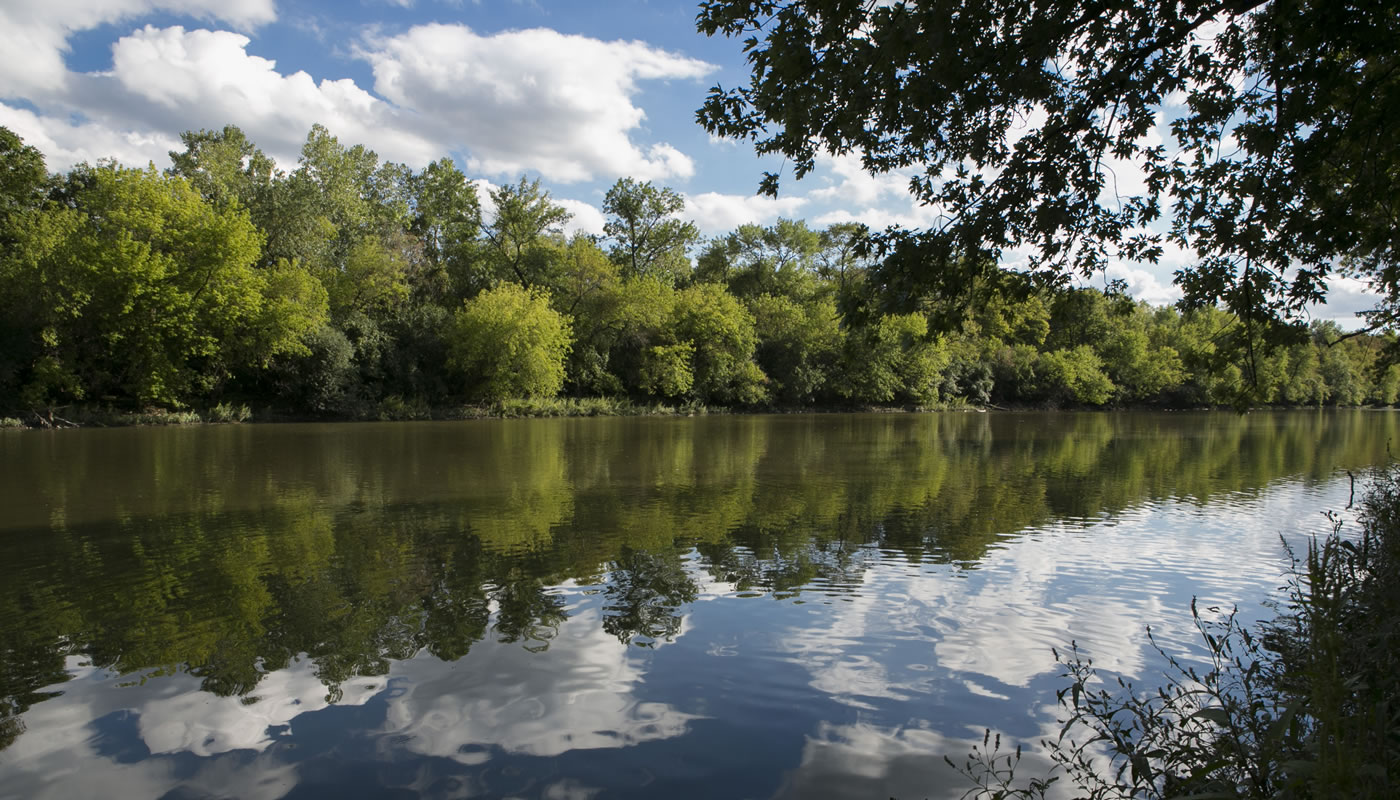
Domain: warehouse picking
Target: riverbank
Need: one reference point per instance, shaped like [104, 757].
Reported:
[517, 408]
[399, 411]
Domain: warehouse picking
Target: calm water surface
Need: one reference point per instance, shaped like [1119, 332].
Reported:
[725, 607]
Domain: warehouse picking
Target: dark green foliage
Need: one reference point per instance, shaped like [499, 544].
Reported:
[1026, 120]
[799, 347]
[520, 238]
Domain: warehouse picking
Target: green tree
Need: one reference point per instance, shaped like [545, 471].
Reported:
[447, 220]
[146, 293]
[721, 331]
[647, 237]
[617, 326]
[27, 234]
[779, 259]
[508, 342]
[1074, 376]
[520, 235]
[224, 166]
[1025, 133]
[892, 360]
[843, 260]
[799, 347]
[1140, 368]
[24, 179]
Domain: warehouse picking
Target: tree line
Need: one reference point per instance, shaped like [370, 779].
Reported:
[355, 287]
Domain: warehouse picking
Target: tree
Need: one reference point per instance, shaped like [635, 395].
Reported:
[447, 219]
[26, 235]
[1282, 165]
[892, 360]
[619, 325]
[647, 237]
[1074, 375]
[754, 260]
[517, 237]
[223, 166]
[144, 292]
[24, 180]
[508, 342]
[799, 346]
[721, 332]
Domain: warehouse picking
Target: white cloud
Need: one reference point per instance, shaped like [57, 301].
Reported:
[537, 100]
[586, 217]
[1346, 299]
[65, 142]
[531, 100]
[34, 35]
[854, 186]
[207, 78]
[716, 213]
[1151, 283]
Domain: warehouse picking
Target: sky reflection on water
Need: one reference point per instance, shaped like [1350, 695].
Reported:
[624, 611]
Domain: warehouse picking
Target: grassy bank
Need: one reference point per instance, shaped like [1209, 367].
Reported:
[397, 409]
[1304, 706]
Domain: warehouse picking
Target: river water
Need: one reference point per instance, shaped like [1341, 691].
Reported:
[732, 606]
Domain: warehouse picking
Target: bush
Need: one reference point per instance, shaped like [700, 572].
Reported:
[226, 412]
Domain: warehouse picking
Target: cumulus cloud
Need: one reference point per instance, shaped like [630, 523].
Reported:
[68, 141]
[586, 218]
[537, 101]
[1346, 299]
[34, 35]
[184, 79]
[532, 100]
[716, 213]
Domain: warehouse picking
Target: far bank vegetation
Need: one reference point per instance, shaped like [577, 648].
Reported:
[354, 288]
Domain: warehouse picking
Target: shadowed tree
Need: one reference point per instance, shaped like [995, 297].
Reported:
[1039, 126]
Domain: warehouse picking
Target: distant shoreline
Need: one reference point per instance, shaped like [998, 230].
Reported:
[97, 417]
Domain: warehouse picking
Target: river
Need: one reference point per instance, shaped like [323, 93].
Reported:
[797, 606]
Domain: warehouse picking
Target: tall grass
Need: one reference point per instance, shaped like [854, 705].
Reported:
[1306, 705]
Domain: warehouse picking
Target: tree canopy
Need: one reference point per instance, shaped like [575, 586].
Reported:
[1259, 136]
[354, 287]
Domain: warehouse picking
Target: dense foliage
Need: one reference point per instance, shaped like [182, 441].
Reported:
[1257, 135]
[353, 287]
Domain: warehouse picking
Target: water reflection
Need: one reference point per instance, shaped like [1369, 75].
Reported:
[567, 607]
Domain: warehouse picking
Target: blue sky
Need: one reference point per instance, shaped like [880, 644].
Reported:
[576, 93]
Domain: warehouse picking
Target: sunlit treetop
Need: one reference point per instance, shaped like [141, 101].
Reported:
[1259, 137]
